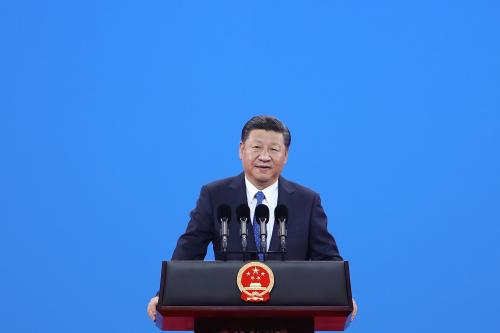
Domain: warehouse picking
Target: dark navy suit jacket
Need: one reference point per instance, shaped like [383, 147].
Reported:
[308, 237]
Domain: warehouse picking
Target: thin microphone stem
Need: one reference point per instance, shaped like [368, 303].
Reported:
[243, 232]
[224, 233]
[263, 235]
[282, 233]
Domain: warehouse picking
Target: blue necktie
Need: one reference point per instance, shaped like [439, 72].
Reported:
[256, 225]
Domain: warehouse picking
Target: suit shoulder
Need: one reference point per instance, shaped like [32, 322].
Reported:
[300, 188]
[222, 183]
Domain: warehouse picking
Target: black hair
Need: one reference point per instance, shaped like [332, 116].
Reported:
[267, 123]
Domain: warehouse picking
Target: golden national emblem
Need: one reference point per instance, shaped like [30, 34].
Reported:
[255, 281]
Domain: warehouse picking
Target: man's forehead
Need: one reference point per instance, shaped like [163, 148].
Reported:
[258, 135]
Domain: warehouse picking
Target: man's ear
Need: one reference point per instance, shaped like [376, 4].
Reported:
[242, 146]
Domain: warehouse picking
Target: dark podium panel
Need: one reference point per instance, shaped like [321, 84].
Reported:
[204, 296]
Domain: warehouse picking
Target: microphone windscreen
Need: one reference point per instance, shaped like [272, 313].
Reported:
[262, 212]
[224, 212]
[243, 212]
[281, 213]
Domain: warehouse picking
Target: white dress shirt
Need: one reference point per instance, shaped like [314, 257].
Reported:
[271, 201]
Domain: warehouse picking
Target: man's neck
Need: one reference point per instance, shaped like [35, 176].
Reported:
[261, 187]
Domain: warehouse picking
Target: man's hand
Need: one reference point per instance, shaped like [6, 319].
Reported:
[152, 308]
[354, 309]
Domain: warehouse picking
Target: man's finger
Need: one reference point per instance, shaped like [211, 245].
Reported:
[354, 310]
[152, 308]
[152, 314]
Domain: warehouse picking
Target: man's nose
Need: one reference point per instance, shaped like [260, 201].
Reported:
[264, 155]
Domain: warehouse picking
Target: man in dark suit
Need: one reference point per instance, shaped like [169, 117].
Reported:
[264, 152]
[307, 234]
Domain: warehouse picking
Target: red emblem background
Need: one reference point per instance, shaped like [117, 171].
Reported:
[255, 281]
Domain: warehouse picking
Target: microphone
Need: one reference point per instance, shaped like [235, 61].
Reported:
[262, 216]
[243, 215]
[281, 216]
[224, 216]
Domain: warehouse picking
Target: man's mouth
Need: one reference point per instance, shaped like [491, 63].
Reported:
[263, 166]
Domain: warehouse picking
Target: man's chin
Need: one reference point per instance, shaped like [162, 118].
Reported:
[263, 176]
[265, 181]
[263, 172]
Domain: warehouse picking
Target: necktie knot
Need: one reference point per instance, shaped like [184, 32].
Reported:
[260, 197]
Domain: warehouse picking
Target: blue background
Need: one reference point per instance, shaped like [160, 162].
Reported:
[113, 114]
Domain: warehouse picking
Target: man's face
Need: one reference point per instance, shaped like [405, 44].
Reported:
[263, 155]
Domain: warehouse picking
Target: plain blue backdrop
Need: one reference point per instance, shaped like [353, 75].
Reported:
[113, 114]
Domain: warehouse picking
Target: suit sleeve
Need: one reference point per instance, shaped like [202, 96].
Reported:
[192, 245]
[322, 245]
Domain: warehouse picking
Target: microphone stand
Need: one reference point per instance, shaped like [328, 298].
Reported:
[263, 237]
[282, 234]
[243, 234]
[224, 233]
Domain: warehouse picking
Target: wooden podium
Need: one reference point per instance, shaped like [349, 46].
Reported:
[204, 296]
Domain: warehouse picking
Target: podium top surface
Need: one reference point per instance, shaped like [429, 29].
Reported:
[296, 284]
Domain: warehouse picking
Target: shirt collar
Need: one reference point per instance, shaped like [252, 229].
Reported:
[252, 190]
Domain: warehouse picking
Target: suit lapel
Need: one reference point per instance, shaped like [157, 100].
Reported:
[240, 197]
[240, 190]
